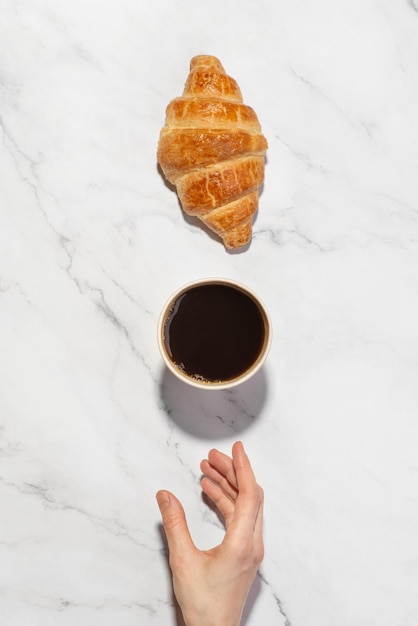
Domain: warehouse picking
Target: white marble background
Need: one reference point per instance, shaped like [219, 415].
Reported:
[92, 242]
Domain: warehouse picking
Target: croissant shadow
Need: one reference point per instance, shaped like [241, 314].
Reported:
[169, 185]
[190, 219]
[213, 414]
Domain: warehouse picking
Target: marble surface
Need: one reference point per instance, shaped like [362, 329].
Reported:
[92, 242]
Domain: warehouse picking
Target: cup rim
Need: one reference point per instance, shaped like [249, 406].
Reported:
[226, 384]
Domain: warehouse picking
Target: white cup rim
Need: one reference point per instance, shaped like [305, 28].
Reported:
[227, 384]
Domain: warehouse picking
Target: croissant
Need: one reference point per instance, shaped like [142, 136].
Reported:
[211, 148]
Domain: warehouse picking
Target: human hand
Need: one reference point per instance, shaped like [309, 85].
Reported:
[211, 586]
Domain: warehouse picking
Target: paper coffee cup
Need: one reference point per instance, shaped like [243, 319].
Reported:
[214, 333]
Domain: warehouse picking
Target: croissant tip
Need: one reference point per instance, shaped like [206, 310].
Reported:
[239, 236]
[206, 61]
[237, 248]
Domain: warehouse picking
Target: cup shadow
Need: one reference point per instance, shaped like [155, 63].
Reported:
[213, 414]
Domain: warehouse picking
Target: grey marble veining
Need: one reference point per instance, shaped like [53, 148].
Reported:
[93, 242]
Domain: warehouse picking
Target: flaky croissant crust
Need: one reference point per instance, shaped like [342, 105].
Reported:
[211, 148]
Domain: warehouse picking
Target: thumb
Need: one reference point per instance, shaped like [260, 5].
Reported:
[175, 525]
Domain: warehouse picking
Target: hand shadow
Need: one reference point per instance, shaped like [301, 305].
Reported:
[251, 600]
[213, 414]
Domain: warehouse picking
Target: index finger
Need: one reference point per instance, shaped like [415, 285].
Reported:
[243, 470]
[249, 499]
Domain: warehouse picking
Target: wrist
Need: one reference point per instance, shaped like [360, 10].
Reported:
[213, 619]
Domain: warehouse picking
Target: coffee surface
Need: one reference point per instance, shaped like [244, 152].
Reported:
[214, 332]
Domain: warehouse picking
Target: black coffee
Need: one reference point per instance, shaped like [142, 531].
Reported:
[214, 332]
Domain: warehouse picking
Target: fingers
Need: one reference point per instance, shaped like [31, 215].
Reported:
[258, 529]
[223, 502]
[244, 474]
[249, 503]
[223, 470]
[217, 476]
[175, 525]
[220, 483]
[231, 485]
[223, 464]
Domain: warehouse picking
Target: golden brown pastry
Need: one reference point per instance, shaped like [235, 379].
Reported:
[211, 148]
